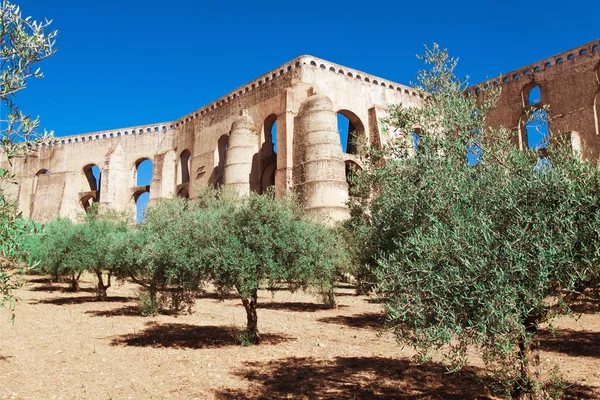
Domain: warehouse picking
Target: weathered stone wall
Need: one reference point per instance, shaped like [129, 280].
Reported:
[569, 83]
[228, 141]
[205, 136]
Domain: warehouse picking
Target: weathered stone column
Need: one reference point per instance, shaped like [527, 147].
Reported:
[322, 172]
[243, 145]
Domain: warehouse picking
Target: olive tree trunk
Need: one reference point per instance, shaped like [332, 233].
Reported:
[527, 385]
[252, 317]
[75, 281]
[102, 288]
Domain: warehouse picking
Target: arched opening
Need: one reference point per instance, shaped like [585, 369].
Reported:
[269, 136]
[350, 128]
[87, 201]
[185, 160]
[141, 204]
[143, 177]
[143, 172]
[267, 155]
[534, 96]
[219, 161]
[267, 178]
[184, 192]
[93, 175]
[91, 191]
[41, 172]
[536, 130]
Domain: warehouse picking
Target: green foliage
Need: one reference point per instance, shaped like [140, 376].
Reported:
[23, 42]
[236, 243]
[264, 239]
[63, 248]
[474, 254]
[52, 250]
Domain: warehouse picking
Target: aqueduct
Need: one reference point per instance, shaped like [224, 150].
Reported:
[281, 130]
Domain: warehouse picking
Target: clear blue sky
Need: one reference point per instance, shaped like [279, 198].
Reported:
[129, 62]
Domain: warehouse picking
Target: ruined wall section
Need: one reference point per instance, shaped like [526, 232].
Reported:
[568, 83]
[115, 155]
[203, 137]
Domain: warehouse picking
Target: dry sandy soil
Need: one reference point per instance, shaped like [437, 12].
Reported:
[69, 346]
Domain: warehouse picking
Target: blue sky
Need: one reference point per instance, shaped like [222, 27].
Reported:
[129, 62]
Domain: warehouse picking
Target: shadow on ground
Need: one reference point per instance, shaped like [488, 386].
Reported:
[295, 306]
[365, 320]
[190, 336]
[575, 391]
[573, 343]
[217, 296]
[61, 301]
[366, 378]
[127, 311]
[357, 378]
[57, 288]
[586, 306]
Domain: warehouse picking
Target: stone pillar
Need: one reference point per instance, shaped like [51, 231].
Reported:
[322, 172]
[242, 146]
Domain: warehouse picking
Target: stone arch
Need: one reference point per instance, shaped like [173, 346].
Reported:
[531, 95]
[183, 172]
[93, 176]
[216, 178]
[91, 186]
[267, 177]
[140, 199]
[87, 200]
[42, 171]
[184, 192]
[142, 173]
[534, 132]
[350, 128]
[269, 135]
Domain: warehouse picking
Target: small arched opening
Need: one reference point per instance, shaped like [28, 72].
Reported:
[141, 198]
[87, 201]
[216, 178]
[42, 173]
[531, 96]
[93, 175]
[185, 160]
[269, 136]
[535, 130]
[184, 192]
[267, 155]
[267, 178]
[351, 129]
[143, 177]
[143, 172]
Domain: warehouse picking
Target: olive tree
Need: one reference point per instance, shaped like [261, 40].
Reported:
[92, 244]
[265, 239]
[54, 251]
[167, 255]
[23, 43]
[476, 253]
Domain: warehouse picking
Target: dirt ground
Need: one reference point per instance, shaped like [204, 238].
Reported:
[69, 346]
